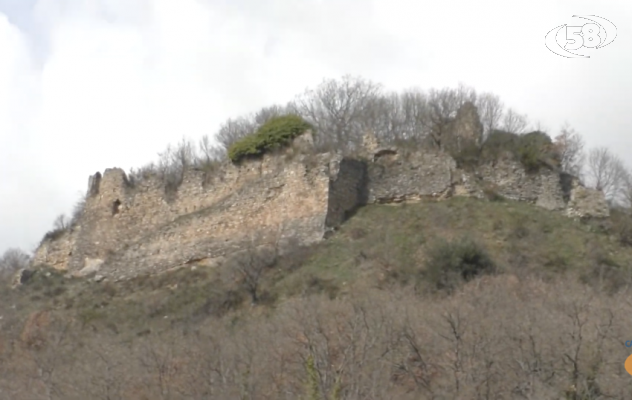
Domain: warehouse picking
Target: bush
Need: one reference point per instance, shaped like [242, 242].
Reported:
[275, 133]
[449, 263]
[469, 156]
[497, 143]
[533, 149]
[622, 227]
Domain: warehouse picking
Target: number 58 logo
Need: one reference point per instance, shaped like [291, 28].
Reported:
[593, 35]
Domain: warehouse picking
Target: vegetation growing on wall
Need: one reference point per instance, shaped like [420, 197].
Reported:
[534, 150]
[275, 133]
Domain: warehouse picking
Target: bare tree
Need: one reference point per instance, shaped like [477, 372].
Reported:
[175, 160]
[441, 109]
[78, 208]
[250, 264]
[570, 146]
[606, 172]
[209, 152]
[13, 260]
[513, 122]
[61, 222]
[490, 109]
[338, 110]
[233, 130]
[414, 104]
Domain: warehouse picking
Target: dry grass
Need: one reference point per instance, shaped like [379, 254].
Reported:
[352, 318]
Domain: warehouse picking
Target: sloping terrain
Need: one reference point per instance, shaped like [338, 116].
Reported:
[536, 306]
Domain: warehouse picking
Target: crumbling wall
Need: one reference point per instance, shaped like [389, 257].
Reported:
[57, 252]
[586, 203]
[290, 199]
[394, 177]
[510, 179]
[130, 228]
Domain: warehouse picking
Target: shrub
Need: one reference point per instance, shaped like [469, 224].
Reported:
[469, 156]
[448, 263]
[622, 227]
[275, 133]
[497, 143]
[533, 149]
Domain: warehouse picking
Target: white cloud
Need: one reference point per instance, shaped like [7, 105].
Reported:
[120, 79]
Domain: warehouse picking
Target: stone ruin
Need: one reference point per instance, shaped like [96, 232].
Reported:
[127, 229]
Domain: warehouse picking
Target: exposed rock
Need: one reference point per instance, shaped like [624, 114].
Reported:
[92, 266]
[587, 203]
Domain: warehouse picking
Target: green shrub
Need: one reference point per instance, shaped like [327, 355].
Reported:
[497, 143]
[533, 149]
[469, 156]
[449, 263]
[622, 227]
[275, 133]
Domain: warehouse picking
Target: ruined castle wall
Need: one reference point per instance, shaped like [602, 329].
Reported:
[292, 200]
[127, 227]
[58, 252]
[511, 180]
[130, 229]
[396, 177]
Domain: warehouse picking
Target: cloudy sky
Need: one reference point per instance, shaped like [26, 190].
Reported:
[91, 84]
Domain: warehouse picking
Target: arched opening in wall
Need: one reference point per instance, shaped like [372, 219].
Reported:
[116, 206]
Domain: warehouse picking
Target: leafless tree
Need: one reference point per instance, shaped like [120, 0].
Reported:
[210, 152]
[514, 122]
[491, 110]
[570, 146]
[441, 109]
[61, 222]
[414, 105]
[159, 360]
[77, 210]
[13, 260]
[606, 172]
[250, 264]
[175, 160]
[235, 129]
[51, 354]
[338, 109]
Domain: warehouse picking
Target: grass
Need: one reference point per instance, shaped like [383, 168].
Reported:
[380, 246]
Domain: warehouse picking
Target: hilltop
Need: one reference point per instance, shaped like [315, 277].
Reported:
[311, 262]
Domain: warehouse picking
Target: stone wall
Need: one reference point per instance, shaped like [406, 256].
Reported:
[394, 177]
[130, 228]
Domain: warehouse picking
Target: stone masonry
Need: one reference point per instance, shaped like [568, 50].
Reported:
[132, 228]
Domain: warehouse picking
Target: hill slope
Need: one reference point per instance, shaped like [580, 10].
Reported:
[357, 316]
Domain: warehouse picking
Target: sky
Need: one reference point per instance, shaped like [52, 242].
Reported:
[87, 85]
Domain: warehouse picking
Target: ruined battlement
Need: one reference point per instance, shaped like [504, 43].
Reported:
[128, 228]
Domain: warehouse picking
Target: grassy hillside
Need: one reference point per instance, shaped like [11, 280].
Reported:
[382, 309]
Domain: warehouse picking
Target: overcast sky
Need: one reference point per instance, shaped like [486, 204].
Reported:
[90, 84]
